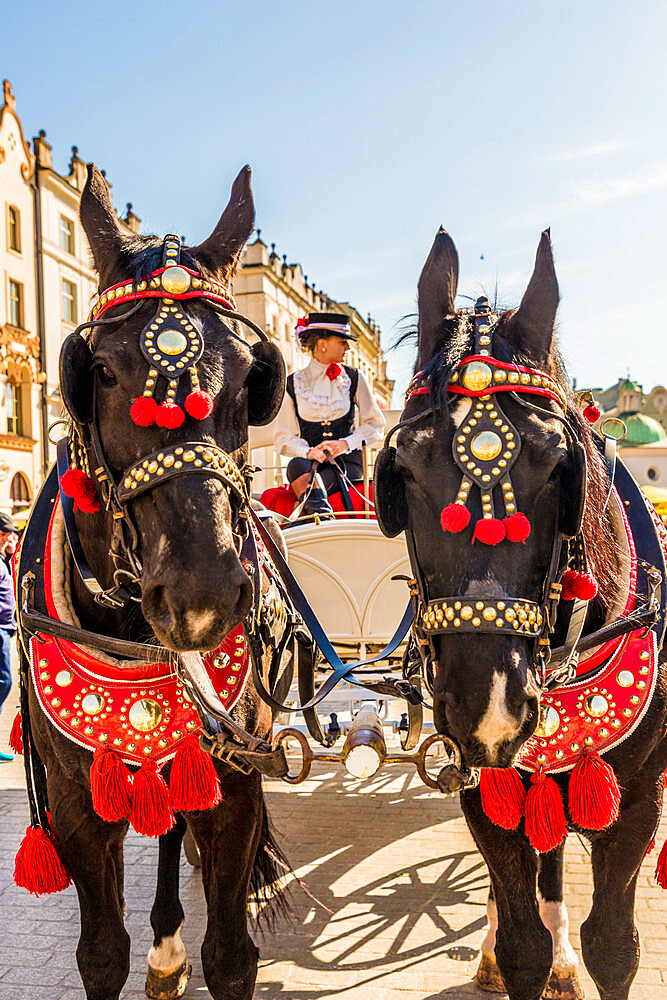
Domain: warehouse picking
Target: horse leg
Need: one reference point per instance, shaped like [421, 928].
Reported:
[609, 939]
[488, 974]
[564, 980]
[168, 969]
[228, 837]
[522, 942]
[92, 852]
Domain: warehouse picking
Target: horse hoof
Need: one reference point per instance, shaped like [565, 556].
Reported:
[565, 986]
[488, 976]
[167, 985]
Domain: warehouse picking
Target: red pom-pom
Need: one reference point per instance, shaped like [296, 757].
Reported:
[489, 530]
[199, 404]
[455, 518]
[594, 795]
[592, 413]
[76, 484]
[544, 813]
[583, 586]
[169, 415]
[517, 527]
[111, 785]
[73, 482]
[150, 813]
[88, 500]
[16, 736]
[661, 867]
[503, 796]
[143, 411]
[38, 867]
[194, 780]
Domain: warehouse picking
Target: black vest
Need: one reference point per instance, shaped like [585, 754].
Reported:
[314, 432]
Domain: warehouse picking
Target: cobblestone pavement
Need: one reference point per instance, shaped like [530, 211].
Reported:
[392, 860]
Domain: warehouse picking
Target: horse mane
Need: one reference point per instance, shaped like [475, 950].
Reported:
[601, 545]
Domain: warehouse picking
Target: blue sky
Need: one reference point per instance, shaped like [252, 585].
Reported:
[368, 125]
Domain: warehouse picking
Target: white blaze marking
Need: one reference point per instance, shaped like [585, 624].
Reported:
[199, 622]
[489, 942]
[459, 411]
[169, 955]
[498, 723]
[555, 919]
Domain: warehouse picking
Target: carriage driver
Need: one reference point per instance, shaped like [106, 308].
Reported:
[316, 420]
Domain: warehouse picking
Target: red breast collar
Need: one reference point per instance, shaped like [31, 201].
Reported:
[139, 710]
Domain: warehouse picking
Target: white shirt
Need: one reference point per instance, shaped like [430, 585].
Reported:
[321, 398]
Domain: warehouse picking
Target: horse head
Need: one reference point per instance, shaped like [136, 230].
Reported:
[184, 529]
[489, 487]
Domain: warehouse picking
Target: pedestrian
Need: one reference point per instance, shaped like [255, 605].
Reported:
[317, 421]
[8, 541]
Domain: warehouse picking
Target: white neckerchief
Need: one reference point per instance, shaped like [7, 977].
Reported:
[319, 397]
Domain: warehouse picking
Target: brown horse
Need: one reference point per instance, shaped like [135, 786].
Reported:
[489, 677]
[191, 590]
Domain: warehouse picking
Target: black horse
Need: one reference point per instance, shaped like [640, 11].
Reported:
[489, 688]
[193, 589]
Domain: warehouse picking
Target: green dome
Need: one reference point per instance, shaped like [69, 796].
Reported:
[642, 430]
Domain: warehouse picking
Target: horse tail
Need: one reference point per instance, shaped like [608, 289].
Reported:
[268, 888]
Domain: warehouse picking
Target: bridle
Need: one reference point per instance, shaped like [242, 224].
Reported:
[169, 284]
[485, 447]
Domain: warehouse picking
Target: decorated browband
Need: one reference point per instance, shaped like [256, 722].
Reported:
[486, 444]
[170, 342]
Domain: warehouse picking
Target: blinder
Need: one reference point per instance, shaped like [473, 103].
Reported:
[265, 383]
[573, 491]
[391, 508]
[76, 378]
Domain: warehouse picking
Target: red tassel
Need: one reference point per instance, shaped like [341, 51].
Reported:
[594, 794]
[583, 586]
[111, 785]
[38, 867]
[455, 518]
[517, 527]
[503, 796]
[661, 867]
[650, 849]
[194, 780]
[169, 415]
[489, 530]
[544, 813]
[16, 736]
[150, 813]
[143, 410]
[591, 413]
[199, 404]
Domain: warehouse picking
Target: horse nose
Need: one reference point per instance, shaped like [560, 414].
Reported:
[194, 611]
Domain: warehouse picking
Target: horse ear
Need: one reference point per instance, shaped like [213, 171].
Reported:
[101, 225]
[531, 328]
[266, 384]
[436, 294]
[76, 378]
[221, 251]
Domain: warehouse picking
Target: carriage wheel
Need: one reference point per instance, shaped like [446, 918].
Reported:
[191, 849]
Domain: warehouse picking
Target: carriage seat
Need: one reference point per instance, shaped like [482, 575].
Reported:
[282, 500]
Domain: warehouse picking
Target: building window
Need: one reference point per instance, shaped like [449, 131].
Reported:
[19, 492]
[14, 409]
[14, 229]
[15, 303]
[69, 301]
[66, 234]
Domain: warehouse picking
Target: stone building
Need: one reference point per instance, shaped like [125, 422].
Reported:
[274, 294]
[20, 363]
[644, 447]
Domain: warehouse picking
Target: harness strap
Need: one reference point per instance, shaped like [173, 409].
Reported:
[340, 670]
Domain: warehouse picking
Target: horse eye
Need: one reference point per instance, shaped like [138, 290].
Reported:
[106, 376]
